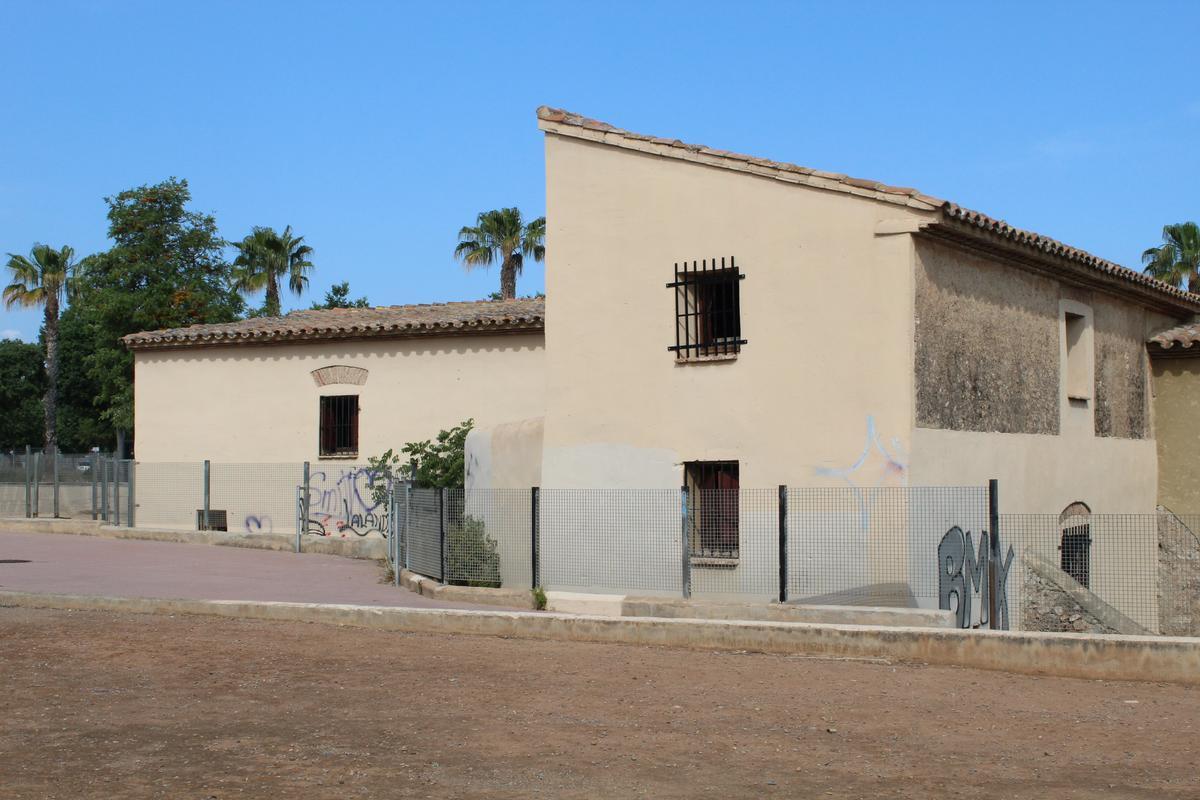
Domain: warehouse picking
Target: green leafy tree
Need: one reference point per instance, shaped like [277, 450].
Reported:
[44, 279]
[265, 258]
[22, 381]
[166, 269]
[338, 296]
[501, 235]
[80, 425]
[1177, 260]
[439, 462]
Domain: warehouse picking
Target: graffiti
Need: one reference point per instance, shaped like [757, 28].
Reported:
[877, 465]
[344, 503]
[259, 524]
[963, 572]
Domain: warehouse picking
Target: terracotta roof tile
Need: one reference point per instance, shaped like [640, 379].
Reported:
[953, 215]
[1183, 335]
[438, 319]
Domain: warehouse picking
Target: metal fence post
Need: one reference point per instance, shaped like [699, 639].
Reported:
[299, 512]
[130, 496]
[37, 480]
[55, 455]
[393, 551]
[94, 463]
[535, 556]
[408, 487]
[28, 479]
[207, 489]
[993, 554]
[395, 512]
[103, 488]
[305, 500]
[783, 543]
[116, 506]
[442, 530]
[684, 544]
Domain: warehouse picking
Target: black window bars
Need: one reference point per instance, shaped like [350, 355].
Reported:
[708, 313]
[339, 425]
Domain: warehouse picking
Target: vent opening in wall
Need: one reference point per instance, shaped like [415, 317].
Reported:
[1079, 374]
[218, 520]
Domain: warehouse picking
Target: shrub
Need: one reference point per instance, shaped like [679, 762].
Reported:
[472, 557]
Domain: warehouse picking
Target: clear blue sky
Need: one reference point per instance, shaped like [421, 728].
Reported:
[378, 129]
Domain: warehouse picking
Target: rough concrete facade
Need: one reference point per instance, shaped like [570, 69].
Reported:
[1177, 424]
[986, 348]
[1122, 367]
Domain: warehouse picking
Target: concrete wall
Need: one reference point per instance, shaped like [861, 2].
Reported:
[504, 456]
[825, 305]
[502, 464]
[820, 395]
[986, 345]
[1177, 419]
[992, 394]
[254, 404]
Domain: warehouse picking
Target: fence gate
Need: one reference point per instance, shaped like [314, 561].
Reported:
[425, 533]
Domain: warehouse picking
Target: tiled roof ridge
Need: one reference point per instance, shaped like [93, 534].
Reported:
[953, 215]
[397, 321]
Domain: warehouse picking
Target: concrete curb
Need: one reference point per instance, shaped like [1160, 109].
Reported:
[479, 595]
[1088, 656]
[675, 608]
[371, 549]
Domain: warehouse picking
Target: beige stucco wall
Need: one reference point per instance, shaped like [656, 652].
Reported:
[992, 394]
[826, 306]
[1177, 419]
[504, 456]
[255, 404]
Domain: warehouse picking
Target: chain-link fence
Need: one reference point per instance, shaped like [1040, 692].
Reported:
[918, 547]
[925, 547]
[64, 485]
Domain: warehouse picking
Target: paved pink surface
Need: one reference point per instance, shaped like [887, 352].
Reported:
[91, 565]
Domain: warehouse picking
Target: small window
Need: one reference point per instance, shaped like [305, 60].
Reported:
[1075, 546]
[708, 316]
[1078, 369]
[339, 425]
[1076, 552]
[713, 509]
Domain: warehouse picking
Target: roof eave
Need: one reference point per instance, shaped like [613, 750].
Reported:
[238, 339]
[1064, 266]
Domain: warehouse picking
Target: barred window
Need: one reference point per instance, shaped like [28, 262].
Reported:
[713, 508]
[708, 315]
[339, 425]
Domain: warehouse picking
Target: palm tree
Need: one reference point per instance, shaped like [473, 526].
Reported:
[44, 279]
[264, 257]
[502, 235]
[1177, 261]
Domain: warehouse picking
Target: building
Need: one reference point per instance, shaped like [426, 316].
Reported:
[786, 325]
[724, 322]
[260, 397]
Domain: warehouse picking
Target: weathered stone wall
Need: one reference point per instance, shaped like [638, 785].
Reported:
[987, 348]
[1122, 397]
[1178, 577]
[1054, 601]
[987, 338]
[1050, 609]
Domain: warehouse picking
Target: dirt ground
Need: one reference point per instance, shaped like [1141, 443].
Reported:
[97, 704]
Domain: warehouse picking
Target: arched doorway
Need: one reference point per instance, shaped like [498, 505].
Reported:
[1075, 546]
